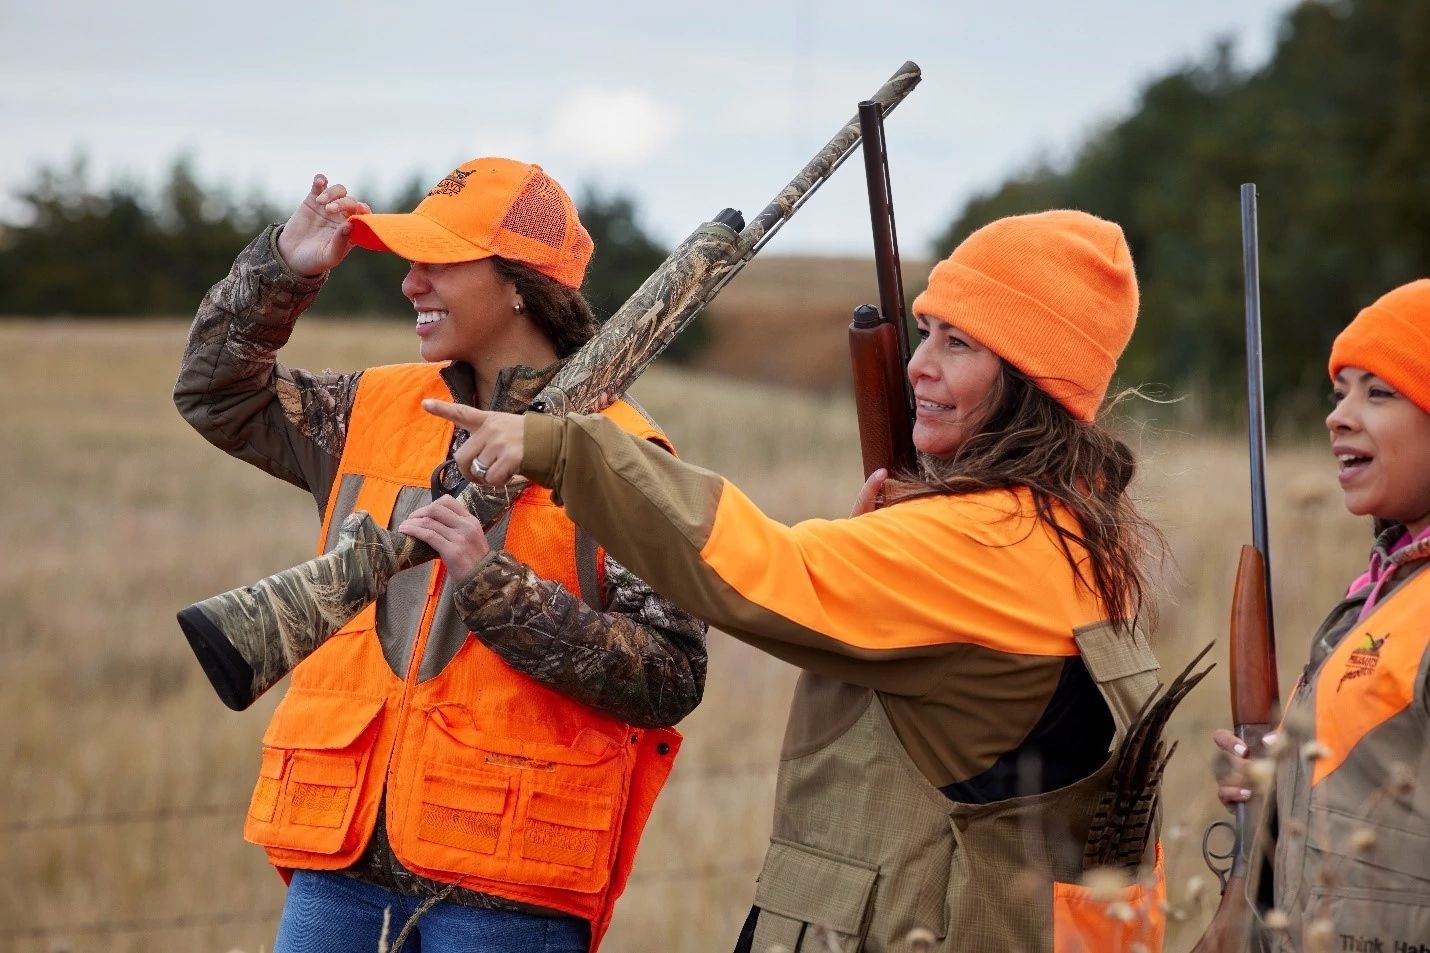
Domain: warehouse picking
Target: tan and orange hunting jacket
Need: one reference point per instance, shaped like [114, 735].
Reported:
[949, 737]
[1352, 806]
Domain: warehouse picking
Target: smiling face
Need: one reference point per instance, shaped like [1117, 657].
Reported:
[1382, 440]
[953, 377]
[463, 309]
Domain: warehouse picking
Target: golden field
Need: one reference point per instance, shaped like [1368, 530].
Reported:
[123, 801]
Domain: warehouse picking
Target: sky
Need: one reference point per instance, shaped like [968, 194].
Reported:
[688, 108]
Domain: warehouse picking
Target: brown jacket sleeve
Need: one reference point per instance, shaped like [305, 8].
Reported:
[642, 660]
[232, 390]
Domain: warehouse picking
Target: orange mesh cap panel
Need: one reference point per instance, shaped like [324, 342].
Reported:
[483, 208]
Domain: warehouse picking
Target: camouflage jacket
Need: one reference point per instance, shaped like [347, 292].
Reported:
[642, 660]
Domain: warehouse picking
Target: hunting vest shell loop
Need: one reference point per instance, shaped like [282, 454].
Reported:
[1353, 806]
[865, 849]
[494, 781]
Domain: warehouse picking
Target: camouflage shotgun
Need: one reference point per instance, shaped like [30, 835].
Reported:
[247, 639]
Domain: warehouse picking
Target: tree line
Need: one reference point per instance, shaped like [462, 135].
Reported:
[1335, 130]
[120, 250]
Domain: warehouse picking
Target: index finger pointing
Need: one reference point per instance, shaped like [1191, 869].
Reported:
[469, 418]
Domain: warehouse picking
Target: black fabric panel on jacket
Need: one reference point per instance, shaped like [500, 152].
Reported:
[1069, 742]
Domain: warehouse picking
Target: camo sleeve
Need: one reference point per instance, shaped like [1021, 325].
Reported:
[232, 389]
[642, 660]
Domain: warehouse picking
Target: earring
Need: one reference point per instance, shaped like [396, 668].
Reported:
[517, 307]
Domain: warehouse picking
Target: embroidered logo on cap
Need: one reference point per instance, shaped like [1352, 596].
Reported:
[1363, 659]
[451, 185]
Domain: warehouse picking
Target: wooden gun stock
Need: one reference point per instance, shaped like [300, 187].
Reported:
[1230, 929]
[1254, 697]
[885, 437]
[1253, 673]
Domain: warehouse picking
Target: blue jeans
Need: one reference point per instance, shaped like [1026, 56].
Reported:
[330, 913]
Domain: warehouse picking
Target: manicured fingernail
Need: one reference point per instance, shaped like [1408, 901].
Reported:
[1241, 750]
[1269, 737]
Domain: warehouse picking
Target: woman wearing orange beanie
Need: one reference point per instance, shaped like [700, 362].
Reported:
[970, 653]
[1351, 866]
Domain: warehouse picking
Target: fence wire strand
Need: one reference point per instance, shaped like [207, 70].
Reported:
[198, 812]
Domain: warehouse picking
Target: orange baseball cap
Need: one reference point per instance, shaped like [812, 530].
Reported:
[483, 208]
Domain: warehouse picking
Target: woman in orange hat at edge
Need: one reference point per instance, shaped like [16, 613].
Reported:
[474, 756]
[971, 648]
[1350, 862]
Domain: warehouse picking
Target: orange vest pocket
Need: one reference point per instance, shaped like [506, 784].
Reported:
[1133, 919]
[315, 754]
[270, 781]
[515, 811]
[571, 829]
[464, 813]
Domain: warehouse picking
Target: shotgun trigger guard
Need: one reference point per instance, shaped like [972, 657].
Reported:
[447, 480]
[1215, 860]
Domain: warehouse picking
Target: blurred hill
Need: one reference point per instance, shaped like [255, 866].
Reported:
[783, 320]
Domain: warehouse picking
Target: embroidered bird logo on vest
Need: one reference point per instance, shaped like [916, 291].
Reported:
[1363, 659]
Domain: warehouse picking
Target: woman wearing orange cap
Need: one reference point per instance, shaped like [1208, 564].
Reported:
[1351, 868]
[483, 745]
[970, 650]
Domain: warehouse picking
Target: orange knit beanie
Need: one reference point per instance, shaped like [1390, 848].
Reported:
[1391, 339]
[1053, 294]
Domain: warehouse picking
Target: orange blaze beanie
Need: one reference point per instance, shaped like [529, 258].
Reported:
[1054, 294]
[1391, 339]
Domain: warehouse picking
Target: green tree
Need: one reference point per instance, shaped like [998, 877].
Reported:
[1334, 128]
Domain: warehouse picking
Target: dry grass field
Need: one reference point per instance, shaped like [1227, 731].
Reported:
[123, 801]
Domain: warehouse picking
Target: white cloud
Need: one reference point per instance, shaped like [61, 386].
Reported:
[612, 128]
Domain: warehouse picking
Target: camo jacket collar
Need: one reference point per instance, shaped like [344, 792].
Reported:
[515, 388]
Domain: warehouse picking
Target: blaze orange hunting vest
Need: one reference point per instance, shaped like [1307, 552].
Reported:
[494, 781]
[1353, 840]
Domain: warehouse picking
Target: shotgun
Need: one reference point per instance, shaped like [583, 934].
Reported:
[1254, 692]
[879, 337]
[247, 639]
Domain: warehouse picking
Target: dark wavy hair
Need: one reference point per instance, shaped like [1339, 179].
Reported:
[562, 313]
[1029, 440]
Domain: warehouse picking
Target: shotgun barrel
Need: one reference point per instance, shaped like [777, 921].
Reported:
[1255, 694]
[879, 337]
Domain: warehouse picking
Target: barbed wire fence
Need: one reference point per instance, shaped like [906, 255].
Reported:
[234, 811]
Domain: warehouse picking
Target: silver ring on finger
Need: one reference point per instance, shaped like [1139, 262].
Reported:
[480, 469]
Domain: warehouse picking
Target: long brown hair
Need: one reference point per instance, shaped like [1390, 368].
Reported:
[1029, 440]
[562, 313]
